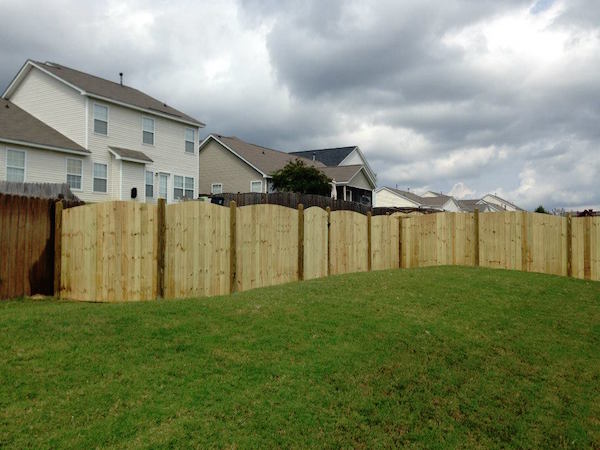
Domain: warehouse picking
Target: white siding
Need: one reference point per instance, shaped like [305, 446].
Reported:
[360, 180]
[54, 103]
[352, 159]
[133, 177]
[168, 151]
[496, 201]
[387, 199]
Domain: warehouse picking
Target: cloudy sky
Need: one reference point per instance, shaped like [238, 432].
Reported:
[461, 96]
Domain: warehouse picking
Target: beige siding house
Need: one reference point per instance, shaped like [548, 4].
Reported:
[124, 143]
[228, 164]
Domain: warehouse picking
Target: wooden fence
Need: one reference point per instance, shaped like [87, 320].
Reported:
[27, 245]
[126, 251]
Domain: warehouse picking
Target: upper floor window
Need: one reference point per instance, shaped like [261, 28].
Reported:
[148, 130]
[74, 171]
[256, 186]
[183, 187]
[189, 140]
[100, 177]
[100, 119]
[15, 165]
[216, 188]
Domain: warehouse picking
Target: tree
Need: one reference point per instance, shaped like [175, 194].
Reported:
[541, 209]
[298, 177]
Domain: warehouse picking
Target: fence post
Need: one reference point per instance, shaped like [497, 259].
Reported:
[476, 227]
[58, 208]
[524, 242]
[569, 245]
[161, 227]
[369, 247]
[587, 248]
[400, 242]
[300, 242]
[328, 209]
[232, 247]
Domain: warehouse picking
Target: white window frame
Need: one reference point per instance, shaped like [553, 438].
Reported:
[13, 167]
[185, 188]
[146, 183]
[166, 177]
[99, 178]
[67, 173]
[212, 188]
[261, 186]
[94, 118]
[145, 131]
[193, 141]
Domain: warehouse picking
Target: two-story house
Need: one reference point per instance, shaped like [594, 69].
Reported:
[108, 141]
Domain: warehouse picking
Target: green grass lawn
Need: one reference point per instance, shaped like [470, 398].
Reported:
[435, 357]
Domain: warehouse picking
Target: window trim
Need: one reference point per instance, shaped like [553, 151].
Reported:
[94, 119]
[261, 186]
[193, 141]
[67, 173]
[183, 188]
[146, 183]
[166, 176]
[12, 167]
[153, 130]
[100, 178]
[212, 185]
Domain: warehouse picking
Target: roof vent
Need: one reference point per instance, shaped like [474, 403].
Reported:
[121, 78]
[314, 156]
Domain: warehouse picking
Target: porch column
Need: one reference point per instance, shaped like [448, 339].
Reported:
[344, 191]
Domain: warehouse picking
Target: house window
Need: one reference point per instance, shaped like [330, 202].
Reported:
[100, 119]
[149, 184]
[100, 177]
[163, 182]
[216, 188]
[15, 166]
[256, 186]
[183, 187]
[74, 170]
[148, 130]
[189, 140]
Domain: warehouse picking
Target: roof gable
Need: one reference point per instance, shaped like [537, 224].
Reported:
[328, 156]
[264, 160]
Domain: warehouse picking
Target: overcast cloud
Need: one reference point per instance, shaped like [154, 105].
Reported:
[461, 96]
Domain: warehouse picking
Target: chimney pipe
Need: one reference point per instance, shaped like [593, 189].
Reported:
[121, 77]
[314, 156]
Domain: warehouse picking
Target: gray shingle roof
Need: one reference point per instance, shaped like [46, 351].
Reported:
[409, 195]
[18, 125]
[328, 156]
[341, 174]
[266, 160]
[128, 155]
[114, 91]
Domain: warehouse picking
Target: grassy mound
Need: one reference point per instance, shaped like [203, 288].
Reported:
[432, 357]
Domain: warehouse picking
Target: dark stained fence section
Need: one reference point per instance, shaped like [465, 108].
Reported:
[27, 245]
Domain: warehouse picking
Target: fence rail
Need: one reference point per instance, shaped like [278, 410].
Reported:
[112, 251]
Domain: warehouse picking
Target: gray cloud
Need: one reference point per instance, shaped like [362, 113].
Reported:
[499, 96]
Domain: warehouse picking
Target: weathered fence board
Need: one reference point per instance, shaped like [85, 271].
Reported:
[349, 246]
[267, 246]
[315, 243]
[197, 250]
[586, 247]
[26, 246]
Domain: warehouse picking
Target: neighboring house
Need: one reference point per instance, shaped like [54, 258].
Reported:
[108, 141]
[501, 203]
[348, 167]
[228, 164]
[394, 198]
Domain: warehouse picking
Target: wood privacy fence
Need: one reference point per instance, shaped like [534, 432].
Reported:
[127, 251]
[27, 245]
